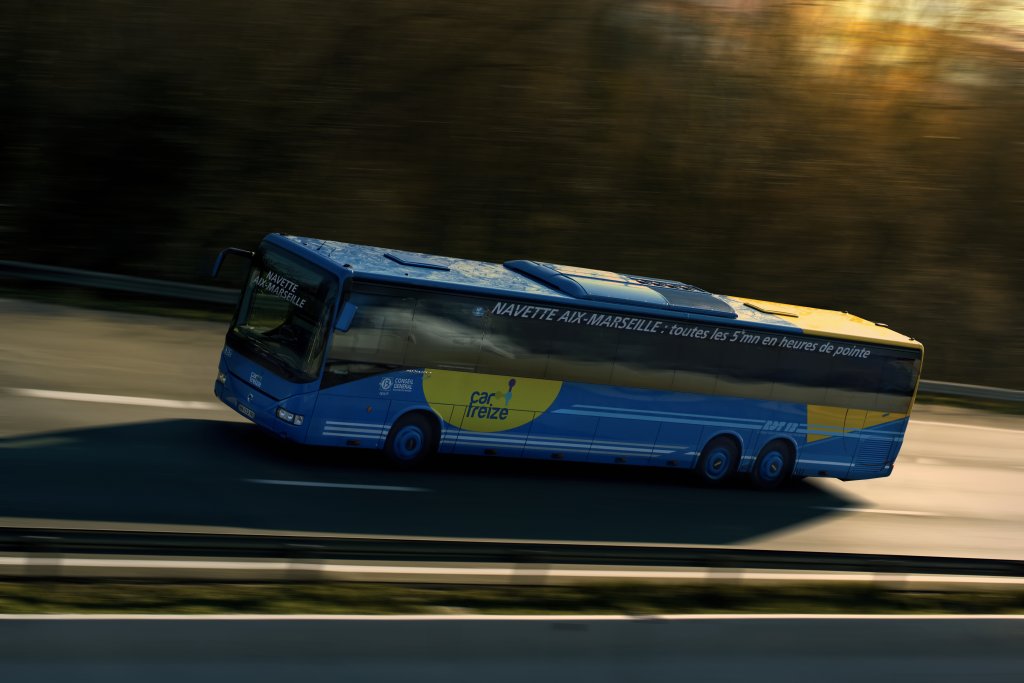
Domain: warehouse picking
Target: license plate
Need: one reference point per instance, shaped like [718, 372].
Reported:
[247, 411]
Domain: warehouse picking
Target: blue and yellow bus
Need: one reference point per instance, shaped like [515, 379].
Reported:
[351, 346]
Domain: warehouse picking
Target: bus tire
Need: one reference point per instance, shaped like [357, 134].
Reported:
[412, 440]
[718, 461]
[773, 466]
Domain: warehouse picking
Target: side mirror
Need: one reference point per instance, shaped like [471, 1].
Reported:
[225, 252]
[345, 317]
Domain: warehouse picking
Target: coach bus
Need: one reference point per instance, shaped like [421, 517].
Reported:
[352, 346]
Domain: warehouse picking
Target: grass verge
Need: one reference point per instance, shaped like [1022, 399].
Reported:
[118, 302]
[127, 597]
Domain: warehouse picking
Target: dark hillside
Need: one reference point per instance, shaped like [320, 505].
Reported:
[872, 163]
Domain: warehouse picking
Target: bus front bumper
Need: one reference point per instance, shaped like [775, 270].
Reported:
[261, 409]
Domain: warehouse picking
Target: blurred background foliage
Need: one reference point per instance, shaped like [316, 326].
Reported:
[861, 155]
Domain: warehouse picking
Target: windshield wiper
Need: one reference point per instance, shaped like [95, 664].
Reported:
[271, 356]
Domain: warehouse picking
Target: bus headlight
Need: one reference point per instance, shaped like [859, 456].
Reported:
[289, 417]
[222, 378]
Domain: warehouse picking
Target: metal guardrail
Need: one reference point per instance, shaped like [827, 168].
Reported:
[169, 544]
[971, 391]
[220, 295]
[120, 283]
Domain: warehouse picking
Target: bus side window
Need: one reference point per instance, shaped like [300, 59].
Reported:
[853, 382]
[379, 332]
[748, 370]
[801, 376]
[513, 346]
[696, 363]
[446, 332]
[899, 377]
[644, 360]
[582, 355]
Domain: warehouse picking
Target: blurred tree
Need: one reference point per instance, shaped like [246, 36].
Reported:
[862, 155]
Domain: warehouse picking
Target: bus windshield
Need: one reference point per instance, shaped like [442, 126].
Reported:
[285, 314]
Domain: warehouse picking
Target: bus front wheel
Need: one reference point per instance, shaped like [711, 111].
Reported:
[773, 466]
[718, 460]
[411, 441]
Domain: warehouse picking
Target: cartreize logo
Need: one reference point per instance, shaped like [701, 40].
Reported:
[487, 403]
[481, 404]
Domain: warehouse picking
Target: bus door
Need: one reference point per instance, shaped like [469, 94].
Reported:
[363, 369]
[342, 419]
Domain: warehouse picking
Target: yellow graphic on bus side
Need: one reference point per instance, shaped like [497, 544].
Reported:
[826, 421]
[488, 403]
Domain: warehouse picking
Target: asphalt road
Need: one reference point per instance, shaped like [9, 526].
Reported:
[184, 461]
[772, 650]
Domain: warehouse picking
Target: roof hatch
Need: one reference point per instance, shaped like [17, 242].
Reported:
[417, 260]
[603, 285]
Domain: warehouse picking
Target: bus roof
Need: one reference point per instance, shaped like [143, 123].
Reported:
[559, 284]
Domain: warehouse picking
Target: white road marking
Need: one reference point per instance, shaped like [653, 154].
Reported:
[879, 511]
[119, 400]
[331, 485]
[957, 425]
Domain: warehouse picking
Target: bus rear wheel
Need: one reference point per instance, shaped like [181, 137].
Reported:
[411, 441]
[773, 466]
[718, 461]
